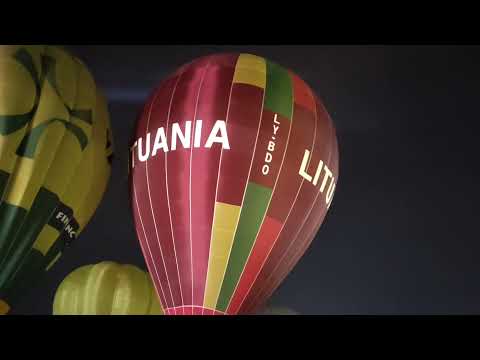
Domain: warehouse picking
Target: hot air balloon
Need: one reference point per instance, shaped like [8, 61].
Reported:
[107, 288]
[55, 154]
[234, 164]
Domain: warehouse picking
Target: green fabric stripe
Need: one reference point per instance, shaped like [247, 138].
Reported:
[11, 123]
[30, 274]
[253, 211]
[27, 271]
[42, 209]
[49, 69]
[79, 134]
[29, 143]
[11, 218]
[23, 57]
[33, 269]
[4, 176]
[279, 91]
[28, 146]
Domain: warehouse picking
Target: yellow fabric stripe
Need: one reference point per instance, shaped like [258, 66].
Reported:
[223, 231]
[46, 239]
[251, 70]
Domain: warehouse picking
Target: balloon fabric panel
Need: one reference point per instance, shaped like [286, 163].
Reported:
[304, 239]
[221, 221]
[287, 238]
[106, 288]
[54, 159]
[278, 101]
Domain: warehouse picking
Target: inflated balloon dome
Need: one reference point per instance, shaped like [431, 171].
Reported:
[55, 152]
[234, 165]
[107, 288]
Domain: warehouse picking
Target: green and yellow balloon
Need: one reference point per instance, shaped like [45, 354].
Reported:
[55, 155]
[107, 288]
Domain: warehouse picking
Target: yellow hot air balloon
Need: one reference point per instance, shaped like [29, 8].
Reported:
[55, 160]
[107, 288]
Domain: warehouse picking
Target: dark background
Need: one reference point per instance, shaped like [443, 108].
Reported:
[401, 236]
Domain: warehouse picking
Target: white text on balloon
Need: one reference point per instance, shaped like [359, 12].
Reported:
[314, 179]
[271, 147]
[146, 148]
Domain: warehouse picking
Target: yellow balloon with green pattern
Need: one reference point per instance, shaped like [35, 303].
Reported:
[55, 160]
[107, 288]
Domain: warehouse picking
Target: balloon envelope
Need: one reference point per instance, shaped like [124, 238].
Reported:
[106, 288]
[55, 152]
[233, 167]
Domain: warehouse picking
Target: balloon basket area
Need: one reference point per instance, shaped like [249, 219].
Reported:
[192, 310]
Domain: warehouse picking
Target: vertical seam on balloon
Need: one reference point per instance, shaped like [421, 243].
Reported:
[266, 211]
[289, 212]
[151, 205]
[190, 175]
[216, 189]
[303, 246]
[197, 306]
[148, 247]
[244, 194]
[168, 193]
[298, 232]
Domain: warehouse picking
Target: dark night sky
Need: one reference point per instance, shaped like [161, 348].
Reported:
[401, 235]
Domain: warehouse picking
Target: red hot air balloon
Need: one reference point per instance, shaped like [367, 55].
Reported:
[233, 168]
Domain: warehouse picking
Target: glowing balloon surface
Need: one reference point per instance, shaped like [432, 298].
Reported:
[55, 152]
[233, 168]
[107, 289]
